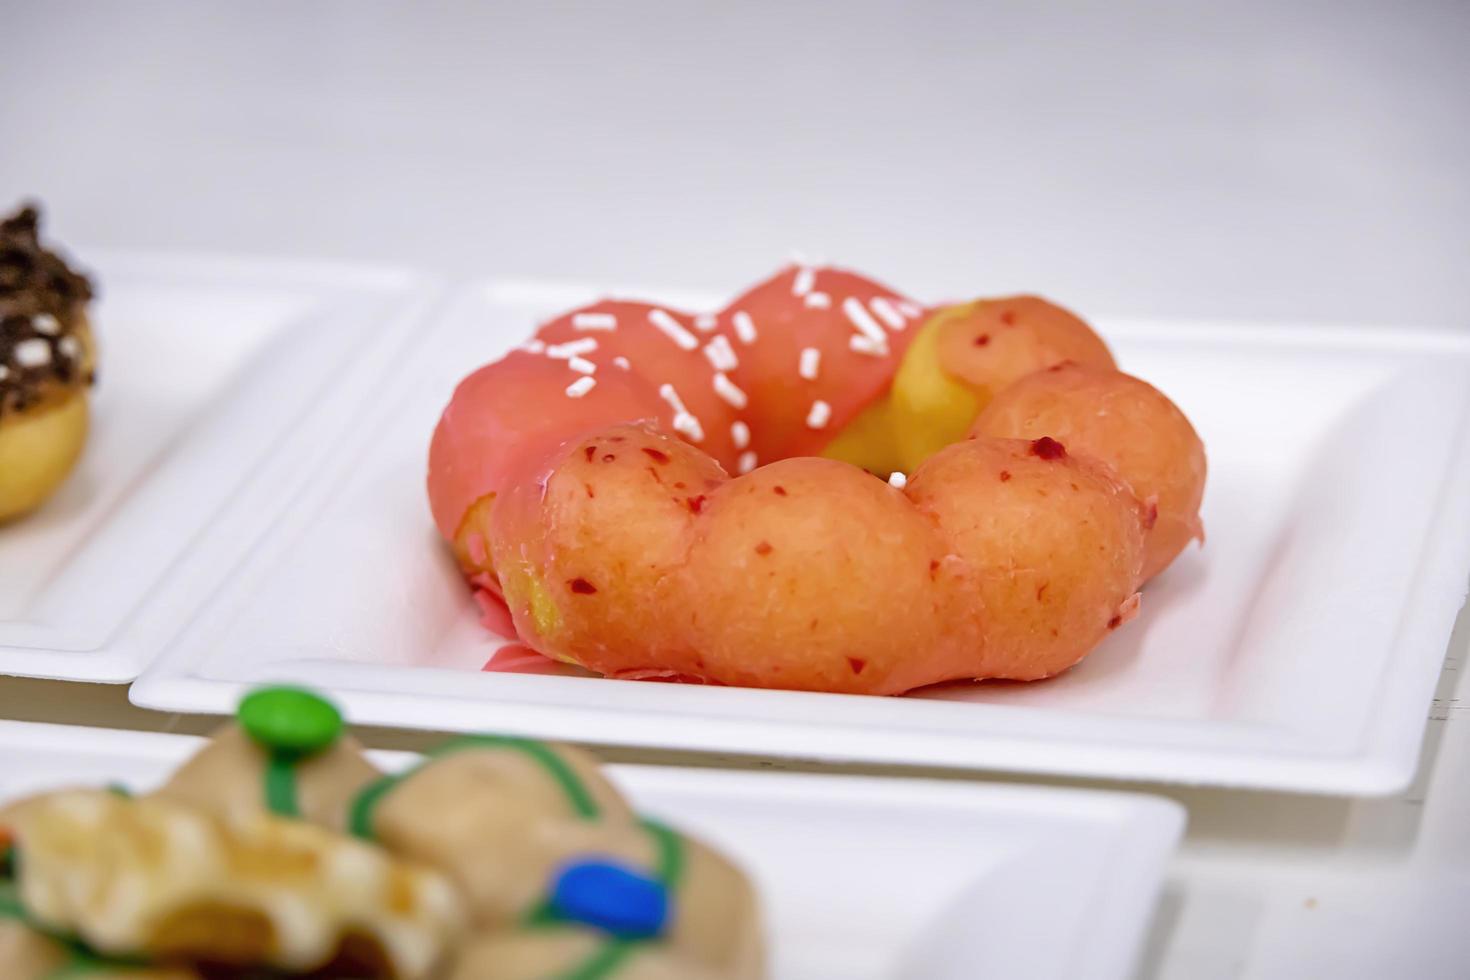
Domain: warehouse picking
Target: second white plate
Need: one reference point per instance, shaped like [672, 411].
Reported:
[860, 879]
[208, 368]
[1298, 651]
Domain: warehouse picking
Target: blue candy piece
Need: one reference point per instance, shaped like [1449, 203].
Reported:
[612, 897]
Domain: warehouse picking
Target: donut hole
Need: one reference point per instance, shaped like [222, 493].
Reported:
[962, 357]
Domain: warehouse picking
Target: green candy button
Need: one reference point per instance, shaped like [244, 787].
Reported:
[290, 720]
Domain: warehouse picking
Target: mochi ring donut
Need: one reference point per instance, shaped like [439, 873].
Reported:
[824, 486]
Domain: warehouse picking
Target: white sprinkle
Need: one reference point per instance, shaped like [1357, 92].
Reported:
[887, 313]
[910, 309]
[70, 346]
[622, 362]
[818, 300]
[594, 321]
[805, 279]
[581, 365]
[747, 461]
[819, 416]
[580, 387]
[572, 348]
[45, 323]
[740, 434]
[689, 425]
[744, 327]
[727, 390]
[4, 372]
[683, 421]
[863, 345]
[668, 394]
[897, 480]
[721, 355]
[32, 353]
[533, 346]
[859, 316]
[811, 363]
[672, 329]
[706, 322]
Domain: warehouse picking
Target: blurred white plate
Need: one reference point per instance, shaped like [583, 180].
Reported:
[1298, 650]
[207, 367]
[860, 878]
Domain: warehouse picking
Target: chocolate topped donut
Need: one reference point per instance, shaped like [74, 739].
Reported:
[45, 342]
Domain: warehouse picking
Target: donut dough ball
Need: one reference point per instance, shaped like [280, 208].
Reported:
[1056, 541]
[1127, 423]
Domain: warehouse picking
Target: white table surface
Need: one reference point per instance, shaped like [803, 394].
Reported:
[1278, 161]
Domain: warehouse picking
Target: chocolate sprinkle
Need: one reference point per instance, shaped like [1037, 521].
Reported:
[42, 301]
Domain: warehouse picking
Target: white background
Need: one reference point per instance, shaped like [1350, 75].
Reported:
[1277, 160]
[1282, 161]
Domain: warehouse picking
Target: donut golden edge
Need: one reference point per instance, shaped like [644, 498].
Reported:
[39, 448]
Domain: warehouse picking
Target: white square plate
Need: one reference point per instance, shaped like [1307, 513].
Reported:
[207, 367]
[1297, 651]
[860, 878]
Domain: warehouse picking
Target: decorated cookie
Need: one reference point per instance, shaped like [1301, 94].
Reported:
[279, 847]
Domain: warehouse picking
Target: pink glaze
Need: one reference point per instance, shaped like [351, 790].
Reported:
[661, 676]
[847, 380]
[728, 382]
[518, 659]
[512, 409]
[494, 614]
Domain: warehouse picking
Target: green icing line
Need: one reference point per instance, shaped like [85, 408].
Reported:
[84, 961]
[671, 857]
[602, 963]
[10, 907]
[360, 820]
[81, 964]
[360, 816]
[541, 916]
[280, 785]
[556, 767]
